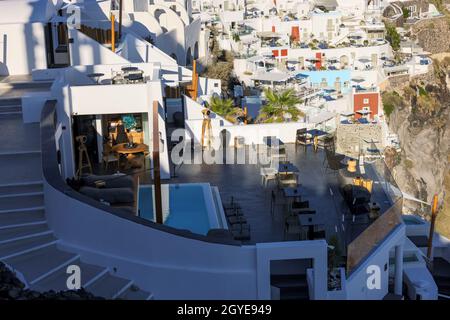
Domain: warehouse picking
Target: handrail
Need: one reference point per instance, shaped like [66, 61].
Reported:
[53, 177]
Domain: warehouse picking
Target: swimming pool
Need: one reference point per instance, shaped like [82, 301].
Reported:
[412, 220]
[189, 206]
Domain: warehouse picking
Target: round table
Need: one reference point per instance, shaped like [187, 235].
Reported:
[121, 148]
[128, 69]
[129, 152]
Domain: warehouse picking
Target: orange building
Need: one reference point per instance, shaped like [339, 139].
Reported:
[366, 104]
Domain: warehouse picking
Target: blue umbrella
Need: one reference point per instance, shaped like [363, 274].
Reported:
[301, 76]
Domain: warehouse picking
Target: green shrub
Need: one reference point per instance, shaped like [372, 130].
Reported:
[391, 100]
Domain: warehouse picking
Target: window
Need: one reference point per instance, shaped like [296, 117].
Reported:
[216, 85]
[366, 108]
[366, 101]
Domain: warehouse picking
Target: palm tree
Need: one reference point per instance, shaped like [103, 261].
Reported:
[279, 105]
[221, 106]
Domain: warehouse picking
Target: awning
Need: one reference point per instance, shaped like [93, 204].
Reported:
[255, 59]
[271, 76]
[301, 76]
[363, 112]
[322, 117]
[268, 34]
[358, 79]
[364, 60]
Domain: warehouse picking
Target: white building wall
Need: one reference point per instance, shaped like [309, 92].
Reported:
[22, 48]
[356, 284]
[86, 51]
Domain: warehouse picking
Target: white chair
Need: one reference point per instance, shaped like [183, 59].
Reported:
[109, 156]
[268, 174]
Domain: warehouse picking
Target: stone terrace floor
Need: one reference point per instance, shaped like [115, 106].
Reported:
[243, 183]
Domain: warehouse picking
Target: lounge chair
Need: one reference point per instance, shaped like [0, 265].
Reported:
[107, 181]
[292, 227]
[236, 212]
[302, 138]
[334, 161]
[236, 219]
[241, 231]
[221, 234]
[109, 195]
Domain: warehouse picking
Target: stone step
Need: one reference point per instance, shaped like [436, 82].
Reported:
[10, 109]
[22, 232]
[20, 167]
[18, 202]
[10, 115]
[57, 281]
[19, 189]
[10, 101]
[38, 264]
[109, 286]
[18, 247]
[20, 218]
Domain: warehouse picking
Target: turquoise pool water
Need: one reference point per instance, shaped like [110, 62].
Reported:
[411, 221]
[187, 207]
[330, 77]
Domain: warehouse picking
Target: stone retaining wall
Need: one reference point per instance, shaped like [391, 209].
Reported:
[352, 137]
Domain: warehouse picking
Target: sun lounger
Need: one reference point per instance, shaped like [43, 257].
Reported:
[233, 212]
[236, 219]
[304, 211]
[241, 231]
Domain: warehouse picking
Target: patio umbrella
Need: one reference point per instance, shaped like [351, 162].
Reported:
[301, 76]
[358, 80]
[364, 60]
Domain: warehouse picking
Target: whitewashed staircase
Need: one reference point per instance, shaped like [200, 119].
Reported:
[27, 245]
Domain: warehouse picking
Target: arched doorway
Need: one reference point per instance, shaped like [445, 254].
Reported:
[196, 50]
[174, 56]
[189, 57]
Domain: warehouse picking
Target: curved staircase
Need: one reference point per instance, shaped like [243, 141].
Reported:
[27, 245]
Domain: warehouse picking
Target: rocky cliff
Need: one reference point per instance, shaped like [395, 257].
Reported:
[421, 118]
[430, 40]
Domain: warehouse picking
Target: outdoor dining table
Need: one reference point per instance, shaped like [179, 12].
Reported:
[124, 149]
[129, 69]
[310, 220]
[290, 192]
[287, 168]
